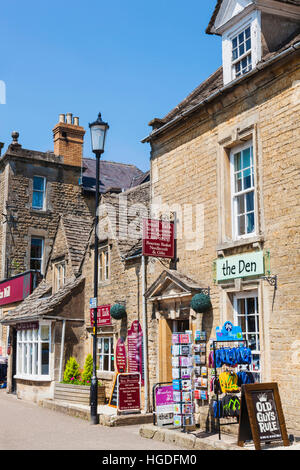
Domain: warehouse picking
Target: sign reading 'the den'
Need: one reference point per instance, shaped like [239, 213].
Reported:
[242, 265]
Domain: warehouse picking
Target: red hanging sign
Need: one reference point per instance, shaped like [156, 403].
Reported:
[158, 238]
[103, 315]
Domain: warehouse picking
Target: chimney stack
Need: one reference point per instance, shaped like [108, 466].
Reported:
[68, 139]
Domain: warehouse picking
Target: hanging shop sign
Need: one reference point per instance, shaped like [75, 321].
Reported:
[103, 315]
[16, 289]
[229, 332]
[135, 349]
[261, 415]
[158, 238]
[121, 356]
[164, 405]
[242, 265]
[129, 392]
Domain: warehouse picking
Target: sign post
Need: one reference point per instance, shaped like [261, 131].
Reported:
[261, 415]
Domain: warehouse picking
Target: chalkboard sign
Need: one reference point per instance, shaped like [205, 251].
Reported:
[261, 415]
[113, 400]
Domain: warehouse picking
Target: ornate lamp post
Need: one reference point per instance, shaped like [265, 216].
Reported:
[98, 131]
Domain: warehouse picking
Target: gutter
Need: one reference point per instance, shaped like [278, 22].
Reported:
[260, 66]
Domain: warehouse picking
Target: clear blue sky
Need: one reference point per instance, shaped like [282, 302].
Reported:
[132, 60]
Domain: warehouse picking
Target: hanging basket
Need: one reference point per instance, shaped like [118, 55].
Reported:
[201, 303]
[118, 311]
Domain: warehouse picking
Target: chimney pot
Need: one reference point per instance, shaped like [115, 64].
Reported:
[61, 118]
[69, 118]
[76, 121]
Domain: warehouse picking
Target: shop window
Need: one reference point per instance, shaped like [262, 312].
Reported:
[243, 191]
[60, 275]
[36, 254]
[247, 317]
[104, 270]
[33, 352]
[38, 193]
[105, 353]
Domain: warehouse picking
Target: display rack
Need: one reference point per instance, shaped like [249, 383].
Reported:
[200, 367]
[182, 372]
[216, 345]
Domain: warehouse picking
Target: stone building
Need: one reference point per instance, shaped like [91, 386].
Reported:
[37, 190]
[226, 161]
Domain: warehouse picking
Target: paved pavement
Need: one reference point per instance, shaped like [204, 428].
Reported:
[27, 426]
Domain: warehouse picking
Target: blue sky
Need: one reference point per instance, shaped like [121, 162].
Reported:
[132, 61]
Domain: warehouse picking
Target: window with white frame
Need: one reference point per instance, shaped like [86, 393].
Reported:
[241, 52]
[247, 317]
[60, 275]
[38, 192]
[243, 191]
[33, 351]
[104, 264]
[105, 353]
[36, 253]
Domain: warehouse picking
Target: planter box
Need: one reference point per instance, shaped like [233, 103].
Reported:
[77, 393]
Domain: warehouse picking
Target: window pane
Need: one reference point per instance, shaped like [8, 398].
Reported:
[240, 204]
[44, 332]
[250, 222]
[247, 178]
[36, 247]
[247, 32]
[241, 49]
[35, 359]
[45, 358]
[241, 225]
[250, 201]
[238, 182]
[237, 161]
[234, 43]
[246, 158]
[241, 37]
[248, 44]
[35, 265]
[38, 183]
[37, 200]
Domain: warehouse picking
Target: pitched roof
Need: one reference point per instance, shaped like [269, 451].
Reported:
[182, 280]
[213, 86]
[41, 303]
[125, 221]
[219, 4]
[120, 176]
[77, 231]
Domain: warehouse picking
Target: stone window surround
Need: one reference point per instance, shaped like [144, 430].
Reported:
[227, 140]
[39, 233]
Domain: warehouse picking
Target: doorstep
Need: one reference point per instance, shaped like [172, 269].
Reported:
[107, 415]
[200, 440]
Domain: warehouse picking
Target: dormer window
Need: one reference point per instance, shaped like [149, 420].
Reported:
[241, 53]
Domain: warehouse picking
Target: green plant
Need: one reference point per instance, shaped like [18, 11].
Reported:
[87, 370]
[71, 373]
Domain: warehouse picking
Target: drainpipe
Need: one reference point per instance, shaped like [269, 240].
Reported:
[145, 342]
[62, 347]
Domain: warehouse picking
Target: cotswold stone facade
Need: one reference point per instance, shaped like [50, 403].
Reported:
[192, 166]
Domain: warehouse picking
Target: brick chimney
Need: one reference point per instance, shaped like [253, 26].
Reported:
[68, 139]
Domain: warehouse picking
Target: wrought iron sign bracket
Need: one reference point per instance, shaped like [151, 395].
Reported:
[272, 280]
[205, 290]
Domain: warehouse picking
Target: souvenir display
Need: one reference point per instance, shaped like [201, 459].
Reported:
[182, 373]
[200, 369]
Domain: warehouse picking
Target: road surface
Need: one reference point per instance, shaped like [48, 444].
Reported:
[27, 426]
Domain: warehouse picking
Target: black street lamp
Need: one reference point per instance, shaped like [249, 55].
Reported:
[98, 131]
